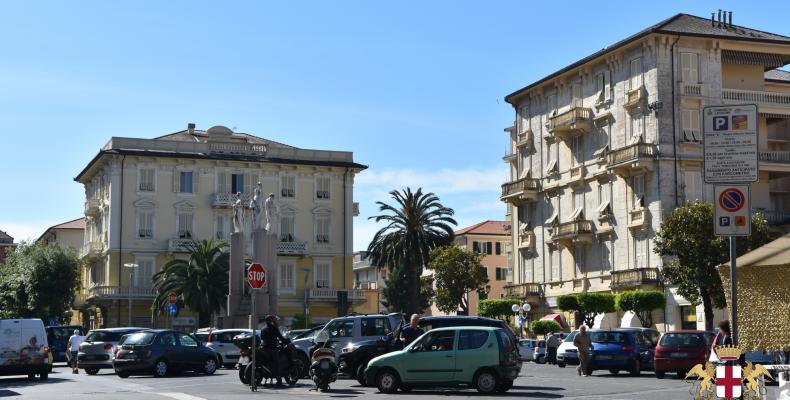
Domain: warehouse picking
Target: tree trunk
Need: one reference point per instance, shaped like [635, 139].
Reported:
[412, 290]
[708, 306]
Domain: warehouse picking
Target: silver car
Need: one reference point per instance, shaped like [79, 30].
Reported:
[221, 341]
[526, 349]
[98, 349]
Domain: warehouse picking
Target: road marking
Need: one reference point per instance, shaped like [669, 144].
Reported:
[177, 395]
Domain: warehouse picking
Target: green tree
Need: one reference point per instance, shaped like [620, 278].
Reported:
[457, 273]
[542, 327]
[38, 281]
[417, 224]
[588, 305]
[201, 283]
[497, 308]
[392, 293]
[642, 303]
[686, 239]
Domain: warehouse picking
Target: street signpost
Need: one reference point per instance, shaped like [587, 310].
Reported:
[256, 278]
[172, 309]
[730, 148]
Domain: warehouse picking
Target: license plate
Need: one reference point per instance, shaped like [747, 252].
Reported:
[604, 357]
[679, 355]
[131, 356]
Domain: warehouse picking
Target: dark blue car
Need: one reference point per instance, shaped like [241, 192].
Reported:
[58, 340]
[620, 350]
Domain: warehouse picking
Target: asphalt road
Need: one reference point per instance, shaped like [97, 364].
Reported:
[535, 382]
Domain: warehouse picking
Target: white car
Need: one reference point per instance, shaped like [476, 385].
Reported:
[526, 349]
[567, 352]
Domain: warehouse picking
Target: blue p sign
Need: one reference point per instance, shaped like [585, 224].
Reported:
[721, 123]
[724, 221]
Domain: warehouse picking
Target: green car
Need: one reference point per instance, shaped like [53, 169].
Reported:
[481, 357]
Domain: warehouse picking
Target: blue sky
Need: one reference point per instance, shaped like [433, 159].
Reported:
[414, 89]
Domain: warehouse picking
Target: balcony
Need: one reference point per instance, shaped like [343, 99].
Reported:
[524, 140]
[526, 240]
[577, 174]
[692, 89]
[366, 285]
[573, 232]
[767, 102]
[523, 290]
[510, 157]
[226, 200]
[635, 98]
[120, 293]
[520, 191]
[329, 294]
[634, 278]
[631, 159]
[292, 247]
[575, 121]
[638, 218]
[92, 207]
[178, 245]
[93, 248]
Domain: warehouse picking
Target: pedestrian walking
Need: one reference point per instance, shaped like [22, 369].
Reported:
[72, 349]
[411, 332]
[552, 343]
[583, 344]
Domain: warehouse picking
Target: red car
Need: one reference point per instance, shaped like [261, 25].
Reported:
[679, 351]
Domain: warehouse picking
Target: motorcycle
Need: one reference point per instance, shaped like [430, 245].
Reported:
[323, 364]
[290, 364]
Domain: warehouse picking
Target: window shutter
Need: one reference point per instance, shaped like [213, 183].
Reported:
[176, 180]
[476, 247]
[222, 182]
[195, 180]
[607, 79]
[248, 184]
[498, 248]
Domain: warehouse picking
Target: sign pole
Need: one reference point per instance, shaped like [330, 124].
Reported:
[733, 293]
[253, 322]
[256, 278]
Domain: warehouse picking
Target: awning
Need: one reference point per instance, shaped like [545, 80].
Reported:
[556, 318]
[767, 60]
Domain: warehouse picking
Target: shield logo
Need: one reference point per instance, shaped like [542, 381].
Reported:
[728, 381]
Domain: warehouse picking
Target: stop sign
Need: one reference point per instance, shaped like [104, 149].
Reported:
[171, 298]
[256, 276]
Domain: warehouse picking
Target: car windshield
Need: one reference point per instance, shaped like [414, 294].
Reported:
[681, 340]
[203, 337]
[61, 332]
[140, 338]
[340, 328]
[570, 337]
[609, 337]
[103, 336]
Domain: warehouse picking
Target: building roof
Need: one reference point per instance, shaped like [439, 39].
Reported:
[679, 24]
[486, 228]
[5, 236]
[78, 223]
[777, 75]
[203, 135]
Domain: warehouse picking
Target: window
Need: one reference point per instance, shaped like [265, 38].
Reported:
[577, 150]
[554, 256]
[375, 326]
[222, 227]
[551, 159]
[436, 341]
[184, 228]
[637, 129]
[691, 125]
[523, 119]
[322, 187]
[498, 248]
[552, 105]
[144, 272]
[526, 268]
[340, 328]
[579, 254]
[165, 339]
[604, 206]
[638, 189]
[555, 210]
[576, 95]
[500, 274]
[186, 340]
[635, 80]
[286, 277]
[322, 229]
[606, 255]
[237, 183]
[692, 185]
[469, 339]
[286, 228]
[640, 251]
[288, 186]
[578, 205]
[603, 86]
[145, 224]
[146, 180]
[187, 182]
[488, 248]
[323, 275]
[689, 65]
[476, 247]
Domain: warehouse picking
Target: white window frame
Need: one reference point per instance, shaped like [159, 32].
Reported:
[141, 179]
[326, 281]
[603, 86]
[689, 67]
[323, 187]
[145, 213]
[323, 237]
[690, 124]
[635, 78]
[552, 105]
[179, 229]
[606, 255]
[555, 262]
[285, 191]
[604, 199]
[286, 266]
[637, 191]
[637, 128]
[577, 150]
[142, 276]
[523, 119]
[177, 175]
[579, 258]
[577, 95]
[693, 187]
[284, 218]
[222, 226]
[640, 251]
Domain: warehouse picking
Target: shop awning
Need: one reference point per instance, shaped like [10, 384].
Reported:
[556, 318]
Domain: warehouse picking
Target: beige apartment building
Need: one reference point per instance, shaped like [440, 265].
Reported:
[604, 148]
[490, 238]
[69, 234]
[146, 198]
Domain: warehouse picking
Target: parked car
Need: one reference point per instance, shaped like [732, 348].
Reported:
[651, 334]
[293, 333]
[58, 339]
[481, 357]
[526, 349]
[353, 359]
[567, 354]
[539, 354]
[620, 349]
[98, 349]
[161, 351]
[221, 341]
[309, 333]
[24, 349]
[679, 351]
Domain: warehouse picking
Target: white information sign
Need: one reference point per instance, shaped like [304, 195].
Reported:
[732, 216]
[730, 141]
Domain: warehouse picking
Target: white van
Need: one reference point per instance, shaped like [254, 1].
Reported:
[24, 348]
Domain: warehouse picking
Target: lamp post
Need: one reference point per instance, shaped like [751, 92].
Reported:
[520, 315]
[132, 267]
[306, 309]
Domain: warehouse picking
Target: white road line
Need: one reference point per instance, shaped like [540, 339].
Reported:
[177, 395]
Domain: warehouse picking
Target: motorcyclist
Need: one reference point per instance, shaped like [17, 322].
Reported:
[271, 337]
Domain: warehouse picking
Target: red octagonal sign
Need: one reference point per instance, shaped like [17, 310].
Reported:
[256, 276]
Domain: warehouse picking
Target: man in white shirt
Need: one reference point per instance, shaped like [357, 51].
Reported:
[73, 348]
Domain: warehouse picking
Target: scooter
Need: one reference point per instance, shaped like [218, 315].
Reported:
[290, 364]
[323, 364]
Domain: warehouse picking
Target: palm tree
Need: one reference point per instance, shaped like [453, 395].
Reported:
[417, 224]
[201, 283]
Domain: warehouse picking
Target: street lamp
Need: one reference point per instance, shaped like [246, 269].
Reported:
[306, 275]
[132, 267]
[520, 316]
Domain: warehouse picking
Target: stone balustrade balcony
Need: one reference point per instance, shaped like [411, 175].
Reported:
[520, 191]
[577, 120]
[636, 157]
[572, 231]
[632, 278]
[330, 294]
[120, 292]
[523, 290]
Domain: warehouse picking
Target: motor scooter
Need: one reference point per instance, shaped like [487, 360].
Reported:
[323, 364]
[290, 364]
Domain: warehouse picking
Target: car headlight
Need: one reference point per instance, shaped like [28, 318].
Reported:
[349, 349]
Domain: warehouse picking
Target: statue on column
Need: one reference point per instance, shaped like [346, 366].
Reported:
[238, 215]
[255, 206]
[271, 211]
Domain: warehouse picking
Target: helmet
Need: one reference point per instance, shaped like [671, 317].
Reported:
[270, 318]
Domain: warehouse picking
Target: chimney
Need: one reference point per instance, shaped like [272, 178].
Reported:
[719, 17]
[191, 128]
[730, 22]
[713, 19]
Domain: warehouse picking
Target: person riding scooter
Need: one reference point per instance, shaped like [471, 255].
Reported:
[271, 337]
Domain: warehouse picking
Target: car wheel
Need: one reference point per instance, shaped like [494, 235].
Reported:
[361, 373]
[160, 369]
[388, 381]
[614, 371]
[122, 375]
[660, 374]
[486, 381]
[560, 364]
[219, 361]
[43, 376]
[91, 371]
[637, 368]
[210, 366]
[505, 386]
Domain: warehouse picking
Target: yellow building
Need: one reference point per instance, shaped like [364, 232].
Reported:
[145, 197]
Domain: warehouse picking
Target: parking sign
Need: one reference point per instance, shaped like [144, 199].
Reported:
[730, 141]
[732, 216]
